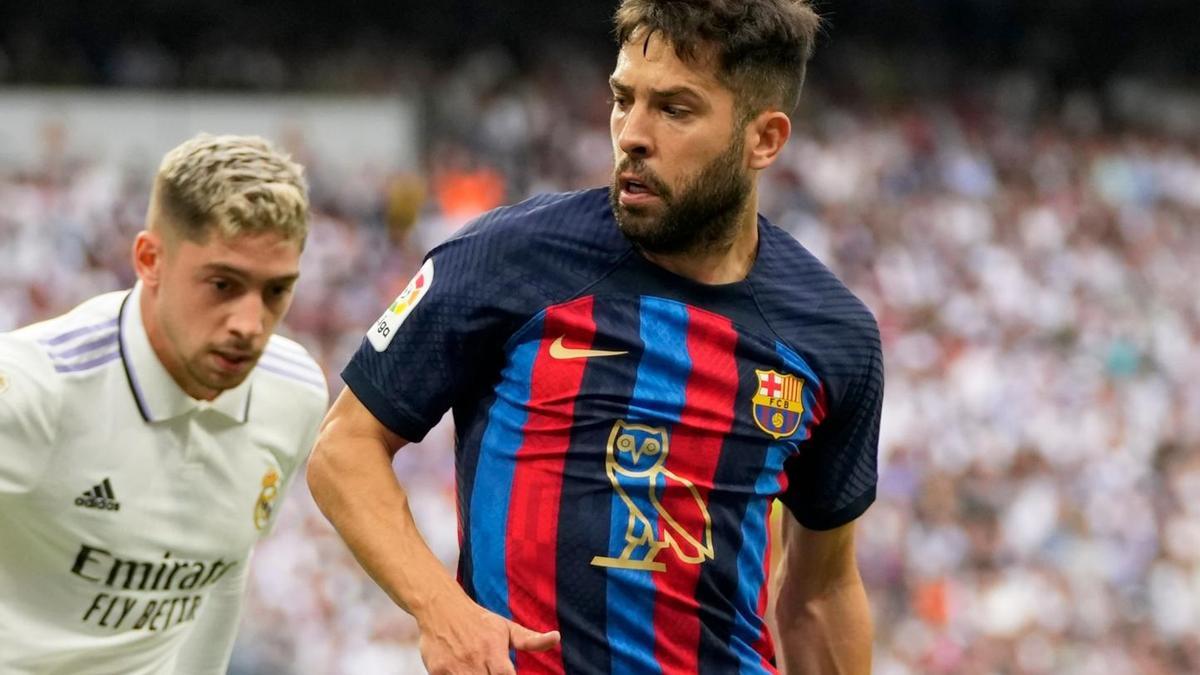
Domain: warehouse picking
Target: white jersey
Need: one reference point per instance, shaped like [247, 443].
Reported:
[127, 508]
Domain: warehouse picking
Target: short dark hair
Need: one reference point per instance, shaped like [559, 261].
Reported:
[762, 47]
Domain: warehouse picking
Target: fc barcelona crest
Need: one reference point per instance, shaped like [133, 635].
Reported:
[778, 403]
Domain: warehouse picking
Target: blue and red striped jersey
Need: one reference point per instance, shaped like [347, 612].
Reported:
[621, 431]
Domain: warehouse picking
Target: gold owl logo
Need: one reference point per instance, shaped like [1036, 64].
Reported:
[636, 467]
[266, 499]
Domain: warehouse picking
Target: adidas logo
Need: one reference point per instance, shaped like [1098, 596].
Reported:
[99, 497]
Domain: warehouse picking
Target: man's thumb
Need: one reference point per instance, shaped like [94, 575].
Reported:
[527, 640]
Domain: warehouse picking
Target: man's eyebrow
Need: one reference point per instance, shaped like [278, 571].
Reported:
[673, 92]
[240, 273]
[617, 85]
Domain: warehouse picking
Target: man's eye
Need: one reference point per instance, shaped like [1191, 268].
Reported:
[674, 111]
[223, 286]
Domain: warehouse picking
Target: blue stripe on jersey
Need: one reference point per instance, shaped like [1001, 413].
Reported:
[658, 398]
[494, 475]
[283, 370]
[812, 384]
[92, 345]
[747, 625]
[81, 366]
[72, 334]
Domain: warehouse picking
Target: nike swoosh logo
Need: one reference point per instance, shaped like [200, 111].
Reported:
[558, 351]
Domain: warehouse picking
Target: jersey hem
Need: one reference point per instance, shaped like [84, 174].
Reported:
[830, 521]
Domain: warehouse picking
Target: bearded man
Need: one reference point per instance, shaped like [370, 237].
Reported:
[636, 372]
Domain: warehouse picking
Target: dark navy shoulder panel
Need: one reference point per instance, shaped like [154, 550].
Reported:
[832, 480]
[540, 252]
[487, 280]
[811, 310]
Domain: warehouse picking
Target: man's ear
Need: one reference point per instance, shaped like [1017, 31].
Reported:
[766, 136]
[149, 252]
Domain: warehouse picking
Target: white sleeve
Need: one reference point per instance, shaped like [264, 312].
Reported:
[209, 645]
[30, 401]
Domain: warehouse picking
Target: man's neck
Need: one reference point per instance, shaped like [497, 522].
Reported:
[724, 265]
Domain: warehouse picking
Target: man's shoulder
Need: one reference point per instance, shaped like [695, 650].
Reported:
[800, 294]
[527, 256]
[77, 342]
[287, 366]
[289, 399]
[580, 222]
[47, 364]
[91, 315]
[580, 211]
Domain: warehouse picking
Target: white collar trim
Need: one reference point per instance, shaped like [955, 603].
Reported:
[156, 393]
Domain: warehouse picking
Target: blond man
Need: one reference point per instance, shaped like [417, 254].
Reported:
[147, 436]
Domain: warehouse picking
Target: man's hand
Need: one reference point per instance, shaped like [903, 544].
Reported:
[458, 637]
[351, 478]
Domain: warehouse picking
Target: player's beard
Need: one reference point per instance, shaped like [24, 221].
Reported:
[701, 217]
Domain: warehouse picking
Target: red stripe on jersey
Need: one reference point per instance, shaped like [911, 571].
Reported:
[537, 482]
[818, 411]
[696, 442]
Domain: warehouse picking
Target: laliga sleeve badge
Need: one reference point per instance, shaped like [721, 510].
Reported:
[384, 330]
[266, 499]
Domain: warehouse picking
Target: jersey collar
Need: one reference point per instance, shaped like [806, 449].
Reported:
[157, 395]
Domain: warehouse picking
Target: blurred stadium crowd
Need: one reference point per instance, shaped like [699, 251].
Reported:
[1030, 258]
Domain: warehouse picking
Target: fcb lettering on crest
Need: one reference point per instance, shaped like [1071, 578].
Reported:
[778, 403]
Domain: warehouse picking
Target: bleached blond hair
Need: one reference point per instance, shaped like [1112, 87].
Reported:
[234, 185]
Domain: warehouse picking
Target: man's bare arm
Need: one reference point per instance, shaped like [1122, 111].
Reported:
[351, 479]
[822, 618]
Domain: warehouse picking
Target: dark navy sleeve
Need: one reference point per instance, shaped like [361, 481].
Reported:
[831, 480]
[443, 343]
[438, 332]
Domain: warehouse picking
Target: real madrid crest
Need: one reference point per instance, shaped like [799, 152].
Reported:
[778, 403]
[266, 499]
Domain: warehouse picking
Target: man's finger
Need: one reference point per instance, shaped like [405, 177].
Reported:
[531, 641]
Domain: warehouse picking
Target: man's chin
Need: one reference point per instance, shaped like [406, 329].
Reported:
[219, 381]
[638, 221]
[232, 380]
[638, 231]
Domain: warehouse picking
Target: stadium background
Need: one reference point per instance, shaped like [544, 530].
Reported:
[1013, 188]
